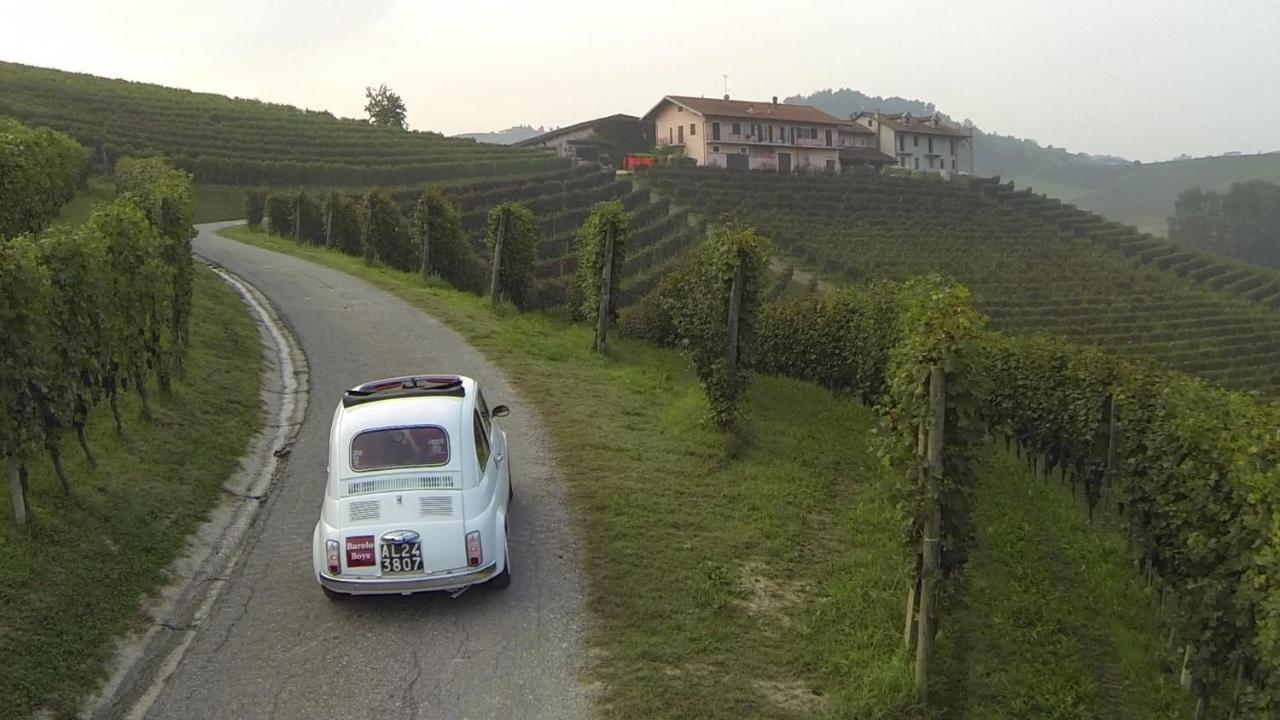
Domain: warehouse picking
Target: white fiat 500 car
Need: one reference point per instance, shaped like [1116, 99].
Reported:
[417, 491]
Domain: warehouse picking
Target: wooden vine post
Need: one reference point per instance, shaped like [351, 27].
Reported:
[328, 224]
[932, 532]
[297, 219]
[495, 287]
[735, 313]
[17, 491]
[606, 289]
[426, 240]
[913, 594]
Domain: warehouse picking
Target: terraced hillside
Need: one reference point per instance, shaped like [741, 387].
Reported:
[1033, 265]
[561, 200]
[245, 142]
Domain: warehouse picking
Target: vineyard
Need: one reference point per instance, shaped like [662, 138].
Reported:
[244, 142]
[1033, 265]
[559, 202]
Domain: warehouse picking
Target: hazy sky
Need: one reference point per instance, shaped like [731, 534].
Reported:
[1146, 79]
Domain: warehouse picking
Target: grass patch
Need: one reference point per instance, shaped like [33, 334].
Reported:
[760, 574]
[213, 203]
[72, 579]
[98, 190]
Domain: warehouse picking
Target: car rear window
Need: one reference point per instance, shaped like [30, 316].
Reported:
[399, 447]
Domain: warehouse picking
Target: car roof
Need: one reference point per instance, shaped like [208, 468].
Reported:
[393, 402]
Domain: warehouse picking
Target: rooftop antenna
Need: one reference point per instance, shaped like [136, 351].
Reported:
[726, 86]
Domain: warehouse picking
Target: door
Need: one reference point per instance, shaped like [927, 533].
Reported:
[736, 161]
[784, 163]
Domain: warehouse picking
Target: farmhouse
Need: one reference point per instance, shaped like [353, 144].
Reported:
[923, 143]
[599, 140]
[749, 135]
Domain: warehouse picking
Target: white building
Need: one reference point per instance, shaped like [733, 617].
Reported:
[923, 143]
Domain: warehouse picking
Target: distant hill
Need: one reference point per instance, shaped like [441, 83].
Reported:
[1134, 193]
[1143, 194]
[994, 154]
[510, 136]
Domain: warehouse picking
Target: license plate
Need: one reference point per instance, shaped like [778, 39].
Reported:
[401, 558]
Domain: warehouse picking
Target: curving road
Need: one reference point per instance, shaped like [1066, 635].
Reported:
[274, 647]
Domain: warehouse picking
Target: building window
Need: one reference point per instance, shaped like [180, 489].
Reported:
[902, 142]
[737, 128]
[813, 134]
[742, 150]
[715, 131]
[693, 129]
[715, 148]
[828, 138]
[917, 163]
[680, 134]
[915, 141]
[670, 138]
[953, 163]
[679, 108]
[953, 146]
[770, 133]
[931, 149]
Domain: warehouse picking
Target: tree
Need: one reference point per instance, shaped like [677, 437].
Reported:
[385, 108]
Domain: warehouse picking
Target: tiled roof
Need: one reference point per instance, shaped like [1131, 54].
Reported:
[919, 125]
[766, 110]
[866, 155]
[538, 140]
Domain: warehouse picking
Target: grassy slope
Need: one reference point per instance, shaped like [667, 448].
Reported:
[72, 580]
[763, 574]
[1144, 195]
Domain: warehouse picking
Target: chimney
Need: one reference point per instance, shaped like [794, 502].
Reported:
[775, 99]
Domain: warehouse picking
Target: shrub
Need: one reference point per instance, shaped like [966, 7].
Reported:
[383, 231]
[255, 200]
[519, 250]
[605, 217]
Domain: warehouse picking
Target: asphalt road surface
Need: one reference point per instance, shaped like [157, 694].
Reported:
[275, 647]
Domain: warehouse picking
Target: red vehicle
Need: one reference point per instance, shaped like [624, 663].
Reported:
[635, 161]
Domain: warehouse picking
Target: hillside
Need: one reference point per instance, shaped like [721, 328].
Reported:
[510, 136]
[1034, 265]
[244, 142]
[1143, 195]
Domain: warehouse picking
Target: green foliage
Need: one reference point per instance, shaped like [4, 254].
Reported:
[79, 351]
[448, 256]
[343, 212]
[164, 194]
[255, 200]
[690, 308]
[24, 319]
[519, 250]
[385, 108]
[384, 234]
[279, 210]
[40, 171]
[605, 217]
[309, 218]
[1243, 222]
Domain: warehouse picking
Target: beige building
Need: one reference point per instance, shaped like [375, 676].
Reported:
[924, 143]
[747, 135]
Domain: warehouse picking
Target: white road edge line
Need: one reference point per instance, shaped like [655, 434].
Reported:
[143, 663]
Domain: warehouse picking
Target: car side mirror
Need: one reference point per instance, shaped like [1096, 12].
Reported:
[500, 411]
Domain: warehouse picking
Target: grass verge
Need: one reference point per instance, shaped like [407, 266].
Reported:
[760, 574]
[72, 580]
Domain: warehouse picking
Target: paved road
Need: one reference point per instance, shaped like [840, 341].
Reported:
[274, 647]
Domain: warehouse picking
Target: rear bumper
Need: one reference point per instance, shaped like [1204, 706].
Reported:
[421, 583]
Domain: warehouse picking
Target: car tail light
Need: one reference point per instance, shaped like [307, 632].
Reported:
[335, 559]
[474, 552]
